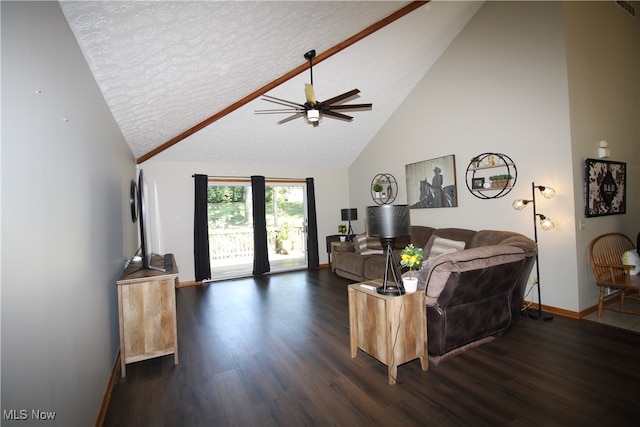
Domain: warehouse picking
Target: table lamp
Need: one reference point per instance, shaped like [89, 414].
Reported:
[389, 222]
[349, 215]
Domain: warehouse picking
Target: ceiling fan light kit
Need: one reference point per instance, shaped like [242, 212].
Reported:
[313, 110]
[313, 115]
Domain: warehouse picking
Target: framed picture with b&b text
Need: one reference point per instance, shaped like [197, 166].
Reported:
[605, 187]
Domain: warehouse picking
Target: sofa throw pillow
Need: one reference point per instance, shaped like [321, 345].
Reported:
[632, 258]
[374, 243]
[370, 251]
[360, 243]
[441, 246]
[364, 245]
[435, 247]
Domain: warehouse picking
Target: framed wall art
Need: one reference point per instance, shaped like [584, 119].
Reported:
[477, 183]
[605, 187]
[432, 183]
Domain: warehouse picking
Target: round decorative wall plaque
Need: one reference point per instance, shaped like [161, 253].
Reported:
[384, 188]
[491, 175]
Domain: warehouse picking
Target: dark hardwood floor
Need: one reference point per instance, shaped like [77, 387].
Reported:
[274, 351]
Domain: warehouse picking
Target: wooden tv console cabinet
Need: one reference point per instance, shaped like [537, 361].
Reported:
[147, 313]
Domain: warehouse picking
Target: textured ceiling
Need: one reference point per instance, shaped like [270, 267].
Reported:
[165, 66]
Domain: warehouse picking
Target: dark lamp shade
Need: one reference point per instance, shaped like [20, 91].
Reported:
[388, 221]
[349, 214]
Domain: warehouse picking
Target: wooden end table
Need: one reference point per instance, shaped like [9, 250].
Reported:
[393, 329]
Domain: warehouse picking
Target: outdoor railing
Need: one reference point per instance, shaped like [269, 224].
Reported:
[238, 242]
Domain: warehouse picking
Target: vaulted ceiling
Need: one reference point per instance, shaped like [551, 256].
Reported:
[180, 77]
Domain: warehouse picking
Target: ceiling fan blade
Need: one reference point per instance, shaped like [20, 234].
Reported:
[341, 97]
[309, 93]
[337, 115]
[288, 119]
[349, 106]
[280, 111]
[281, 101]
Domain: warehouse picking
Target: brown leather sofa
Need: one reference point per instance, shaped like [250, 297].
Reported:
[471, 294]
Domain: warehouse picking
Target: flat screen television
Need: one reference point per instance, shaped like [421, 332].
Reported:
[143, 213]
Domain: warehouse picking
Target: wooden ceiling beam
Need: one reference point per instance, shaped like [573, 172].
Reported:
[285, 77]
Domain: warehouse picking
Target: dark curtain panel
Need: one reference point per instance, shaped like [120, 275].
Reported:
[312, 227]
[260, 251]
[201, 230]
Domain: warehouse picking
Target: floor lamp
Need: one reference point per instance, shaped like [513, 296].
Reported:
[349, 215]
[546, 224]
[389, 222]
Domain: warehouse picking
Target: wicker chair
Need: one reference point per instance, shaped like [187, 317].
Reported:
[605, 253]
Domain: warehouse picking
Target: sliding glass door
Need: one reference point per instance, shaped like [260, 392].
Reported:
[286, 225]
[230, 212]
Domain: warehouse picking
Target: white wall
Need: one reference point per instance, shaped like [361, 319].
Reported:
[542, 82]
[66, 227]
[500, 87]
[175, 188]
[604, 83]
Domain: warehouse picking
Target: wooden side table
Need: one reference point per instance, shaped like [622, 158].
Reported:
[147, 315]
[393, 329]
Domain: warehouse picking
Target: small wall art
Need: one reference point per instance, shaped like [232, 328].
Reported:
[605, 187]
[432, 183]
[477, 183]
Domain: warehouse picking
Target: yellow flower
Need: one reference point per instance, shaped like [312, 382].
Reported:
[411, 257]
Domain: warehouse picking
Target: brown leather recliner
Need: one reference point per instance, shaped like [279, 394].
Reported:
[471, 294]
[481, 296]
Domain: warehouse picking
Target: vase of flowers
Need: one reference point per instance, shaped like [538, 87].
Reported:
[411, 257]
[342, 229]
